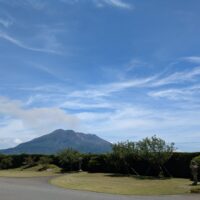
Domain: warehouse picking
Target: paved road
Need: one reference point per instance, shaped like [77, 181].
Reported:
[39, 189]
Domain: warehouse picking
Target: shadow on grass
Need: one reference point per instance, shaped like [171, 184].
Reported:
[64, 171]
[138, 177]
[28, 166]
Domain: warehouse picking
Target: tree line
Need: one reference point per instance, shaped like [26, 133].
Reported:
[148, 157]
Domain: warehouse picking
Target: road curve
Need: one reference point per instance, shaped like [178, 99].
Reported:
[40, 189]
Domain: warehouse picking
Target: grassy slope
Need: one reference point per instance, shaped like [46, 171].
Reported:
[106, 183]
[30, 172]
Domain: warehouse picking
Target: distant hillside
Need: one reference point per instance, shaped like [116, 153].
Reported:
[59, 140]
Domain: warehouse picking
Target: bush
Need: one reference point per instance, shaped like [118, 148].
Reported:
[179, 164]
[197, 160]
[44, 161]
[98, 163]
[29, 161]
[6, 162]
[69, 159]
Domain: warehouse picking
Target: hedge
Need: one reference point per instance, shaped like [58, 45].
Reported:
[177, 165]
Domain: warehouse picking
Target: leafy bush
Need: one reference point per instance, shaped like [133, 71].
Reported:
[44, 161]
[197, 160]
[6, 162]
[29, 161]
[69, 159]
[126, 156]
[98, 163]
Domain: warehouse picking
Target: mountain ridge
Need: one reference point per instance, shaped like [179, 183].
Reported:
[61, 139]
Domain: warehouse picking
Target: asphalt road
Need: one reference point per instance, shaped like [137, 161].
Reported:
[40, 189]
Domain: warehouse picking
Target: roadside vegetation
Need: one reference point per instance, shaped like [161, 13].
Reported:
[147, 167]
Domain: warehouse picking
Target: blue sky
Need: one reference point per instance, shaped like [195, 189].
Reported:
[121, 69]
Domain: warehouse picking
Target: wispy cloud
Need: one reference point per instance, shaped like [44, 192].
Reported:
[5, 19]
[79, 105]
[114, 3]
[5, 22]
[186, 93]
[178, 77]
[148, 82]
[135, 122]
[134, 64]
[101, 3]
[20, 44]
[193, 59]
[107, 89]
[49, 70]
[35, 4]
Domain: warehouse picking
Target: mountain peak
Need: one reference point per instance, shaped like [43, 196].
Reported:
[61, 139]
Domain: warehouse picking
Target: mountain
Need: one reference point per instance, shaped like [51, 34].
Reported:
[59, 140]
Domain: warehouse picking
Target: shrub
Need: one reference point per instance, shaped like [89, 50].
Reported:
[98, 163]
[29, 161]
[44, 161]
[69, 159]
[197, 160]
[6, 162]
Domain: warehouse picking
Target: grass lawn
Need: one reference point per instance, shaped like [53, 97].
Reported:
[30, 172]
[108, 183]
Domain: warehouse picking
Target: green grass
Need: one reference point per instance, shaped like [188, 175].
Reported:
[114, 184]
[30, 172]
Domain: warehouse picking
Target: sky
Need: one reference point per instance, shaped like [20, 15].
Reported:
[121, 69]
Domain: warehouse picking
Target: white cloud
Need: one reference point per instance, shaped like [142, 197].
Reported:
[178, 77]
[193, 59]
[134, 122]
[34, 121]
[115, 3]
[6, 22]
[107, 89]
[7, 143]
[17, 141]
[185, 93]
[148, 82]
[34, 4]
[85, 105]
[101, 3]
[24, 46]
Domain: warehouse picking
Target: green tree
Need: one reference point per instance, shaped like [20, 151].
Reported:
[125, 148]
[69, 159]
[122, 155]
[156, 151]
